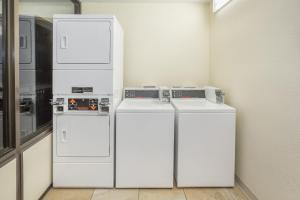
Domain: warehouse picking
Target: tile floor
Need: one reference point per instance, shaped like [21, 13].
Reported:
[147, 194]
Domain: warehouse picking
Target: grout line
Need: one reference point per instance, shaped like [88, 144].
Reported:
[139, 194]
[245, 193]
[93, 194]
[245, 190]
[230, 192]
[46, 192]
[183, 189]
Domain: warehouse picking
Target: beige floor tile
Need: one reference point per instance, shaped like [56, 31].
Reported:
[161, 194]
[238, 193]
[214, 194]
[69, 194]
[116, 194]
[206, 194]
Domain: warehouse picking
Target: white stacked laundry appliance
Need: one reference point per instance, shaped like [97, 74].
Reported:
[87, 87]
[35, 73]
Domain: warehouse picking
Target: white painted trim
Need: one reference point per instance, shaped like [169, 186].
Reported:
[244, 188]
[220, 5]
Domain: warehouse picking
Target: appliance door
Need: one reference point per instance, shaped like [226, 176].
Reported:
[25, 41]
[83, 42]
[82, 135]
[26, 124]
[144, 150]
[206, 149]
[99, 80]
[27, 115]
[27, 81]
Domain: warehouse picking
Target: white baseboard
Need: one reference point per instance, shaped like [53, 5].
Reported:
[245, 189]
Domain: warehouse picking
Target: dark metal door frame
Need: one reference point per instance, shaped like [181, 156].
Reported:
[11, 83]
[77, 6]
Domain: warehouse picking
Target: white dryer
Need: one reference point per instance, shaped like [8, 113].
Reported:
[204, 140]
[144, 140]
[87, 88]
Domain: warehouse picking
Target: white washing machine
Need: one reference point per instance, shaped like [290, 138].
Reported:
[204, 140]
[144, 140]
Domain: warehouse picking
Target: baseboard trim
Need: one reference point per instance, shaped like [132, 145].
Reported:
[47, 190]
[245, 189]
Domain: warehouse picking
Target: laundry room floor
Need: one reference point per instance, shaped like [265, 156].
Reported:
[147, 194]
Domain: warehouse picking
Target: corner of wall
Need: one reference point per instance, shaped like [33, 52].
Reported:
[210, 43]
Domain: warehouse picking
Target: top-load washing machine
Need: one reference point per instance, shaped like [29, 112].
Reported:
[204, 140]
[144, 140]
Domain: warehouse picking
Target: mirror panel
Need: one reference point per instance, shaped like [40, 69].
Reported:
[35, 26]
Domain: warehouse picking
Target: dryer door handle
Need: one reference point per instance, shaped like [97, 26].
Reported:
[64, 42]
[64, 136]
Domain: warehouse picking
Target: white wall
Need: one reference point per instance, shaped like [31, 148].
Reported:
[256, 60]
[165, 43]
[8, 186]
[37, 169]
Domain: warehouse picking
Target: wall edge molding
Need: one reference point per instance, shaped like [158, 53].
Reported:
[244, 188]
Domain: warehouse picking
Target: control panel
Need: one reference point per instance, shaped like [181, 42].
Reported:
[26, 105]
[142, 93]
[165, 95]
[83, 104]
[219, 96]
[104, 105]
[215, 95]
[82, 89]
[180, 93]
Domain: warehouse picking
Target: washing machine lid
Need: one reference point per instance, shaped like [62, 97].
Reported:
[200, 105]
[144, 106]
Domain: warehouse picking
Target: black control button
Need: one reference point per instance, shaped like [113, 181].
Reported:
[105, 108]
[166, 93]
[60, 108]
[104, 100]
[72, 107]
[26, 105]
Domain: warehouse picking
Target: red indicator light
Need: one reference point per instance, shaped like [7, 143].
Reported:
[72, 101]
[93, 107]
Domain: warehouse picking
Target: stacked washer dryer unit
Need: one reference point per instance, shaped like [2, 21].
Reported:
[35, 73]
[144, 140]
[204, 140]
[87, 87]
